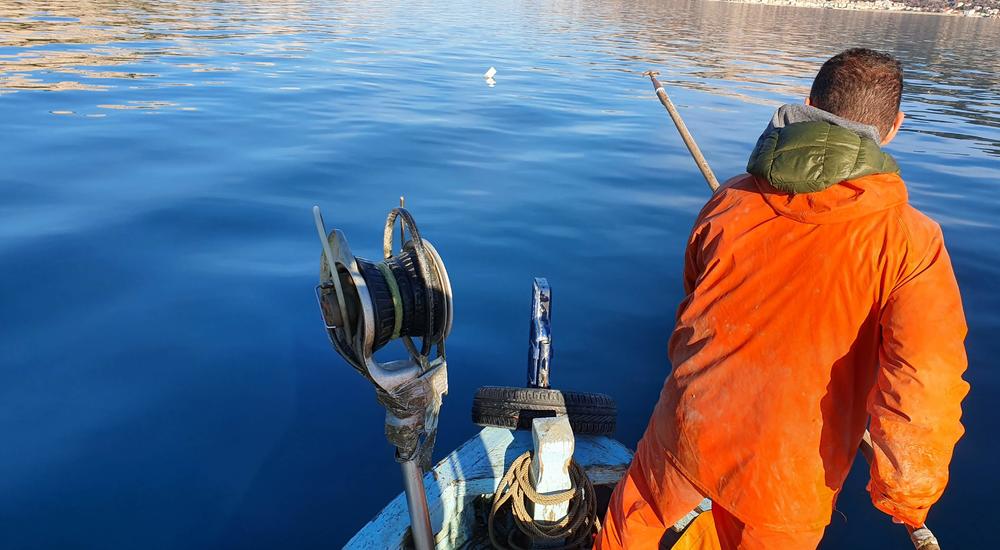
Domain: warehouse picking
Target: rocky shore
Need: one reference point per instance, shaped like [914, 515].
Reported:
[967, 8]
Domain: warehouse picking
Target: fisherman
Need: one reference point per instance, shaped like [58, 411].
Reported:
[818, 302]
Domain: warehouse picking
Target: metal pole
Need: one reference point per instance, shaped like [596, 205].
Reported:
[416, 502]
[699, 159]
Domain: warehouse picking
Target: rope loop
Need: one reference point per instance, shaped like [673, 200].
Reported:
[577, 529]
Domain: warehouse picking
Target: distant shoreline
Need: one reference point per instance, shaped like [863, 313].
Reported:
[972, 8]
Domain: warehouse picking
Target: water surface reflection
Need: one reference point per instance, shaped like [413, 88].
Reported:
[166, 379]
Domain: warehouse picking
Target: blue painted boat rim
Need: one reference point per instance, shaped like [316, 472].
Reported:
[474, 469]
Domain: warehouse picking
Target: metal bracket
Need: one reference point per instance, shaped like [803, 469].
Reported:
[540, 334]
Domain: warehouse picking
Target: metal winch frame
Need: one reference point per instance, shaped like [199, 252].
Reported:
[410, 389]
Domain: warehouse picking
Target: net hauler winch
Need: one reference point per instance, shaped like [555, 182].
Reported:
[367, 304]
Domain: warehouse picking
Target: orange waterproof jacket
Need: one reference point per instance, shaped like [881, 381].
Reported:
[806, 314]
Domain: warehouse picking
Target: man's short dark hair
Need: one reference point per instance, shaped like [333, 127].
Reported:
[862, 85]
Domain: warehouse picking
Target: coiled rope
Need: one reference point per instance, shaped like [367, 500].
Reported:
[577, 528]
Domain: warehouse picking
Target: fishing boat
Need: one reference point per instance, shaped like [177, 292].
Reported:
[460, 487]
[541, 471]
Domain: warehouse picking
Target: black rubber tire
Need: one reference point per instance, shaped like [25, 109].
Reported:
[515, 408]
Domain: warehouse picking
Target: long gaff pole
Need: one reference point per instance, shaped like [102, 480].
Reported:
[922, 538]
[699, 159]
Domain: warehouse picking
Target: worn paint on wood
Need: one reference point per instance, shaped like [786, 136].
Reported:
[475, 469]
[553, 441]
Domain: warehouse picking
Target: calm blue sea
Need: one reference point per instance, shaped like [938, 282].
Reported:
[165, 379]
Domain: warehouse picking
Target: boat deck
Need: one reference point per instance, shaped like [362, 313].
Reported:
[473, 470]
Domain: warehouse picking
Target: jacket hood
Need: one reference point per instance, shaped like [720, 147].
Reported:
[839, 203]
[805, 150]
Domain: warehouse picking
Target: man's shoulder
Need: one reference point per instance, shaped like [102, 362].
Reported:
[920, 229]
[738, 185]
[738, 191]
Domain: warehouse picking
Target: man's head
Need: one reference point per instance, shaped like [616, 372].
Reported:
[861, 85]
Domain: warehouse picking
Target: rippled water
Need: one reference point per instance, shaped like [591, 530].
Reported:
[165, 378]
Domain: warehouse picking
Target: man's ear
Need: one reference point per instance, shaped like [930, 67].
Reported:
[809, 101]
[895, 128]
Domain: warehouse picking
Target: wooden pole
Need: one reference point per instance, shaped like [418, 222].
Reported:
[921, 538]
[699, 159]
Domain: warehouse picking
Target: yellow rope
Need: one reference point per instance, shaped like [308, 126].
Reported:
[577, 528]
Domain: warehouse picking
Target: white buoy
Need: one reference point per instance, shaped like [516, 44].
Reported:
[490, 73]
